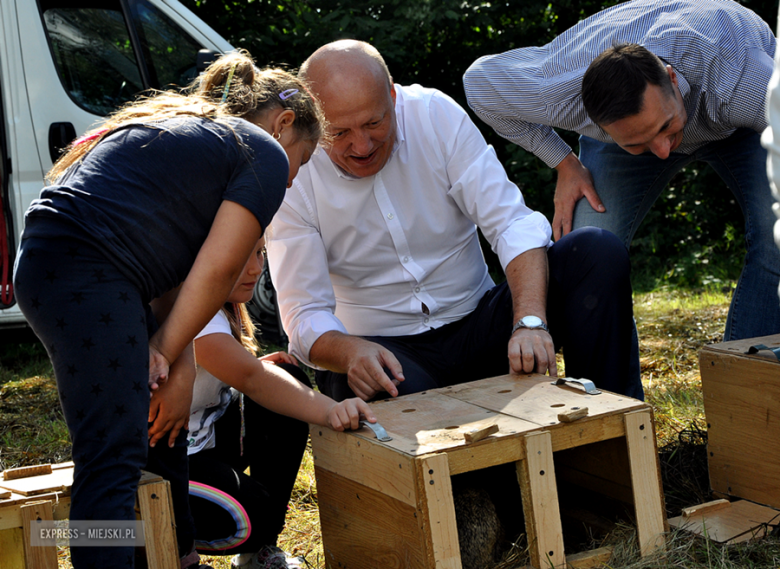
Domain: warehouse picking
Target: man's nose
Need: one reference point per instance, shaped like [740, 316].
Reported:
[661, 147]
[361, 142]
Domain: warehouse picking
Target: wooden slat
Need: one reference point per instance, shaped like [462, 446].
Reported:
[154, 503]
[590, 559]
[26, 471]
[536, 475]
[645, 481]
[365, 462]
[363, 528]
[37, 557]
[438, 511]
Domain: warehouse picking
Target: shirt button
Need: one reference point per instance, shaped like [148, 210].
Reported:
[426, 320]
[390, 216]
[406, 259]
[417, 289]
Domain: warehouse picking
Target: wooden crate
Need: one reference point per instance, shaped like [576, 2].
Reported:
[47, 497]
[389, 504]
[742, 406]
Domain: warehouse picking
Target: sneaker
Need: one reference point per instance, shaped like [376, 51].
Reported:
[270, 557]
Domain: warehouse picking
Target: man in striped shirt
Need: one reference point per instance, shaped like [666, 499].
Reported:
[701, 96]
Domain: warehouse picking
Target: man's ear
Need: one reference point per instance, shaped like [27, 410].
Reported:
[672, 75]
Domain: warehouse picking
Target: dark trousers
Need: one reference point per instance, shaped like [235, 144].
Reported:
[96, 327]
[239, 513]
[589, 313]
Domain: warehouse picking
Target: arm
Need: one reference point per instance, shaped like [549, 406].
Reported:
[299, 268]
[223, 357]
[233, 234]
[530, 350]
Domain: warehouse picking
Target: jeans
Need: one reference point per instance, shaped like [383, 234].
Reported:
[629, 185]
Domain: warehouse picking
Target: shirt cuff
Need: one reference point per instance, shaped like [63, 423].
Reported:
[531, 232]
[553, 150]
[308, 330]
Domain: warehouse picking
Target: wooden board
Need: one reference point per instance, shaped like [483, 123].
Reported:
[58, 480]
[742, 407]
[741, 521]
[37, 557]
[365, 529]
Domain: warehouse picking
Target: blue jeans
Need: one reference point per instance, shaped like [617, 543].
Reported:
[629, 185]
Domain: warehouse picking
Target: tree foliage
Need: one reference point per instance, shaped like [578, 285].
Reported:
[693, 235]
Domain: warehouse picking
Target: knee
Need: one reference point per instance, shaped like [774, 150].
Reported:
[592, 249]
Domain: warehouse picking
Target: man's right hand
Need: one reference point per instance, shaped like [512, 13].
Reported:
[366, 370]
[362, 361]
[574, 183]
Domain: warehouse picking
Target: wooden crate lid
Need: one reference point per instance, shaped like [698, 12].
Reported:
[438, 420]
[741, 347]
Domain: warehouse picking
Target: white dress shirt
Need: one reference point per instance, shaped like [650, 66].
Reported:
[398, 253]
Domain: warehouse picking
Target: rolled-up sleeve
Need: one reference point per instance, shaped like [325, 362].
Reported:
[299, 269]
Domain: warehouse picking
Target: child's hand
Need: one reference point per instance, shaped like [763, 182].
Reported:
[279, 358]
[158, 368]
[346, 414]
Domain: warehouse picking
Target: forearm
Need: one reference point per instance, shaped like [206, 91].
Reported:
[279, 392]
[527, 277]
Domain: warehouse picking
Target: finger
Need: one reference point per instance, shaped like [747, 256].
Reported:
[364, 409]
[557, 226]
[593, 198]
[157, 434]
[175, 433]
[361, 390]
[154, 407]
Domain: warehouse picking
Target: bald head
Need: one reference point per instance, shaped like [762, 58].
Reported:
[353, 84]
[343, 60]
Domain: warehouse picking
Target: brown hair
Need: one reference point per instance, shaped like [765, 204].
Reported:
[250, 93]
[614, 84]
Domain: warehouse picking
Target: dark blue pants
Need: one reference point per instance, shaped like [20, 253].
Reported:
[96, 327]
[589, 313]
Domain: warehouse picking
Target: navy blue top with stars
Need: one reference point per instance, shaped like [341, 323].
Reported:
[146, 195]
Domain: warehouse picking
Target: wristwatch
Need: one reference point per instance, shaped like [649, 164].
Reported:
[530, 322]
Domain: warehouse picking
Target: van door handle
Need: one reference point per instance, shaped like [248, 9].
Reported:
[60, 135]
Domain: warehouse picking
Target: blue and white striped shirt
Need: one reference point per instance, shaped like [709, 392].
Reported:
[722, 53]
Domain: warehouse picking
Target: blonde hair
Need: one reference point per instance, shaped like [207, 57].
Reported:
[249, 93]
[242, 326]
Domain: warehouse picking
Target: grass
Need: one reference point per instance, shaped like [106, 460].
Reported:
[673, 327]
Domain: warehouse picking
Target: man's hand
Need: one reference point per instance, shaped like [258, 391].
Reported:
[365, 370]
[532, 350]
[574, 182]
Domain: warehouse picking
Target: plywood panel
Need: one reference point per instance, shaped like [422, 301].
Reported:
[37, 557]
[58, 480]
[533, 398]
[740, 521]
[742, 406]
[12, 549]
[365, 529]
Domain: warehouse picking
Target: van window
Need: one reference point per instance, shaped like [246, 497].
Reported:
[96, 49]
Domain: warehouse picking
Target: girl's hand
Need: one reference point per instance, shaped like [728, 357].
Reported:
[279, 358]
[346, 414]
[158, 368]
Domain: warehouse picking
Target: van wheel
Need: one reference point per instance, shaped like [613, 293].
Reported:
[264, 310]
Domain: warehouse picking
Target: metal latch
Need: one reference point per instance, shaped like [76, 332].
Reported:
[587, 384]
[379, 431]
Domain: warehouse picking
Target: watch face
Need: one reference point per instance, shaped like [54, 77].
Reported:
[532, 322]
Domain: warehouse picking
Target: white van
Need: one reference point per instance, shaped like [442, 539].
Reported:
[63, 65]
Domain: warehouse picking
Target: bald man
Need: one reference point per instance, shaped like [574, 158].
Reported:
[375, 253]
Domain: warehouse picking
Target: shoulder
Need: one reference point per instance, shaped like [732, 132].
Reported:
[218, 325]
